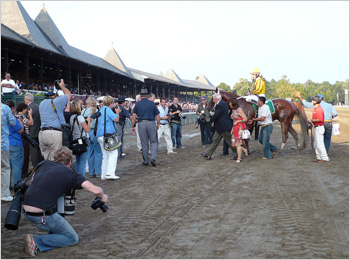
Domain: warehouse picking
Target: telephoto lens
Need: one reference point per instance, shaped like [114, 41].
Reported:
[96, 115]
[14, 214]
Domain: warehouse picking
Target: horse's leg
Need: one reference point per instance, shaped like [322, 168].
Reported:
[294, 134]
[284, 129]
[246, 142]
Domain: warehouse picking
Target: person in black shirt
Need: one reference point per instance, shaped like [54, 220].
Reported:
[50, 181]
[123, 115]
[175, 112]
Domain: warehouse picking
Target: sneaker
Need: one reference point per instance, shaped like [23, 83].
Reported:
[182, 147]
[113, 177]
[172, 152]
[10, 198]
[123, 154]
[203, 145]
[264, 158]
[103, 178]
[30, 247]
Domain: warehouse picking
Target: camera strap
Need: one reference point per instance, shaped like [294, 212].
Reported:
[34, 169]
[104, 131]
[82, 129]
[73, 186]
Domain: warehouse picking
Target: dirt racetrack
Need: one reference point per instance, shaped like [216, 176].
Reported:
[189, 207]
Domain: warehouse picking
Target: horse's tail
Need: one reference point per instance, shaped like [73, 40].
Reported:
[301, 116]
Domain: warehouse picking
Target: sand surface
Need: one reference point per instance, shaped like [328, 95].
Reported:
[189, 207]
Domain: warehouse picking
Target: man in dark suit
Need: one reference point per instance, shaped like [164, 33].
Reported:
[222, 124]
[34, 151]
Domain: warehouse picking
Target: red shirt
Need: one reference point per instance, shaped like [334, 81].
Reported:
[318, 114]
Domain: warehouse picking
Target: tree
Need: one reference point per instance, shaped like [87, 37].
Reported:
[242, 87]
[224, 86]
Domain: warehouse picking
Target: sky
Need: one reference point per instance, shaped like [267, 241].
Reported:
[224, 40]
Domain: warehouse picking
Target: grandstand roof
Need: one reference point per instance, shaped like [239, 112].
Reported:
[43, 33]
[15, 17]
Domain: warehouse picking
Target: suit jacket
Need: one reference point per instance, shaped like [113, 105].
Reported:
[35, 128]
[221, 119]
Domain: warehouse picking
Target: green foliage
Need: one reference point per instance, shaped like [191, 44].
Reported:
[283, 88]
[242, 87]
[224, 87]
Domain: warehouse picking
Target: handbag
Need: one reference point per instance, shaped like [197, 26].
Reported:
[110, 141]
[246, 134]
[79, 145]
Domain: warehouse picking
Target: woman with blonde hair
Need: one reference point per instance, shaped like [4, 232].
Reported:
[80, 128]
[94, 149]
[107, 121]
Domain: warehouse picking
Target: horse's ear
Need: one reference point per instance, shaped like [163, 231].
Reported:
[216, 90]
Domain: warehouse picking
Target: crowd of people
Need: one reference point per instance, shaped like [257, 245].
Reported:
[39, 132]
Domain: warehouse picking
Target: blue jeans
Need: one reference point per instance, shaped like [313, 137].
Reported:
[80, 163]
[327, 135]
[61, 233]
[176, 135]
[95, 155]
[16, 161]
[264, 139]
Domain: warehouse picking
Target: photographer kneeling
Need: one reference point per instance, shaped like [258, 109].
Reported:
[49, 182]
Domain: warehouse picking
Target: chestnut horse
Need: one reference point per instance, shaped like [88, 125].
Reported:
[285, 111]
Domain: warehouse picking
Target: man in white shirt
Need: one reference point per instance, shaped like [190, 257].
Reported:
[265, 122]
[164, 126]
[8, 85]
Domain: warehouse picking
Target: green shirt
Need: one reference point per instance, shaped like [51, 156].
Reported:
[207, 114]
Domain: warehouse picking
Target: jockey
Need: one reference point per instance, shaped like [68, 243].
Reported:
[259, 87]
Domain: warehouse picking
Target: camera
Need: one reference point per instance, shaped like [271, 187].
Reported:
[55, 83]
[97, 203]
[182, 115]
[14, 214]
[30, 140]
[66, 135]
[202, 117]
[66, 205]
[96, 115]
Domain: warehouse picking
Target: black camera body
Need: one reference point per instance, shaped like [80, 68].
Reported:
[97, 203]
[96, 115]
[56, 84]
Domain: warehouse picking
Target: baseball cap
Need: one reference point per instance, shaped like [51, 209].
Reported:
[204, 97]
[320, 95]
[51, 92]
